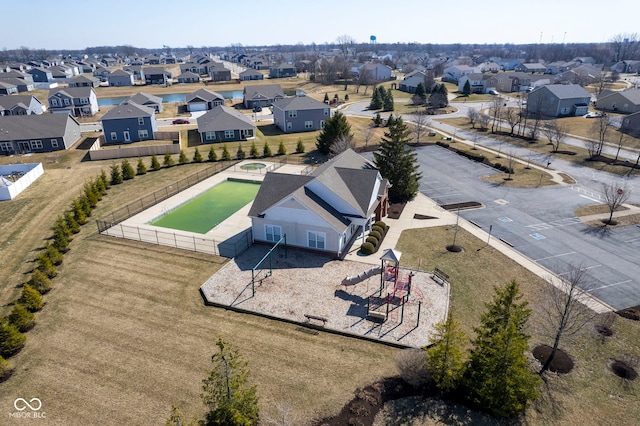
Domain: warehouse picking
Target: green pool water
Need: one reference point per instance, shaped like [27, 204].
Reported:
[204, 212]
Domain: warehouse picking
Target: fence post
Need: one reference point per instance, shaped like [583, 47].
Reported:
[128, 213]
[139, 237]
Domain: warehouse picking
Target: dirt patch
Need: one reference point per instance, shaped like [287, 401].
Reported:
[632, 313]
[423, 216]
[455, 248]
[603, 330]
[623, 370]
[462, 206]
[562, 362]
[395, 210]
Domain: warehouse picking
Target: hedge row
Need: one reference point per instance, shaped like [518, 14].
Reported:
[375, 237]
[476, 157]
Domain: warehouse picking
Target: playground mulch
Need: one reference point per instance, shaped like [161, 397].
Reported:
[306, 288]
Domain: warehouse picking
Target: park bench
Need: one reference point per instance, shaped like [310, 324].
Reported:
[382, 316]
[440, 277]
[317, 318]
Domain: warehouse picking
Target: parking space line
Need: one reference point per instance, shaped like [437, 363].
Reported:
[608, 285]
[557, 255]
[589, 198]
[581, 269]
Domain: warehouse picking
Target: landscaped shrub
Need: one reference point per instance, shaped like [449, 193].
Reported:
[141, 169]
[155, 164]
[378, 229]
[442, 144]
[212, 156]
[168, 160]
[372, 240]
[78, 213]
[197, 157]
[299, 147]
[282, 150]
[381, 224]
[253, 151]
[62, 225]
[46, 266]
[266, 150]
[86, 205]
[40, 281]
[53, 253]
[367, 248]
[5, 369]
[226, 156]
[70, 220]
[104, 179]
[31, 298]
[21, 318]
[11, 340]
[92, 195]
[375, 234]
[471, 156]
[60, 240]
[116, 176]
[182, 158]
[240, 154]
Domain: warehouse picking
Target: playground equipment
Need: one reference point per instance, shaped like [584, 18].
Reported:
[268, 255]
[348, 281]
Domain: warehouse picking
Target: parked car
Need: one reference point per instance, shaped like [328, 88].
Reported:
[493, 92]
[594, 114]
[257, 108]
[180, 121]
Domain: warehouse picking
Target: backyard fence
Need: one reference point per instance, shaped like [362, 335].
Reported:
[97, 153]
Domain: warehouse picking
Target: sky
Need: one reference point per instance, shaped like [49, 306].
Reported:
[66, 24]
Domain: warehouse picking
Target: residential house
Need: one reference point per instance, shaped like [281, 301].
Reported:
[40, 75]
[37, 133]
[631, 124]
[261, 95]
[193, 67]
[223, 124]
[77, 101]
[218, 72]
[21, 85]
[626, 101]
[558, 67]
[20, 105]
[61, 73]
[157, 75]
[324, 211]
[583, 75]
[147, 100]
[84, 81]
[7, 88]
[283, 71]
[300, 114]
[559, 100]
[251, 74]
[373, 72]
[510, 81]
[129, 122]
[188, 77]
[488, 67]
[203, 100]
[531, 67]
[626, 66]
[109, 62]
[17, 74]
[453, 73]
[102, 73]
[510, 64]
[411, 81]
[120, 78]
[479, 83]
[137, 71]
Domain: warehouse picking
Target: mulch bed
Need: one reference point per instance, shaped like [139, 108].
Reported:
[632, 313]
[462, 206]
[562, 362]
[423, 216]
[623, 370]
[395, 210]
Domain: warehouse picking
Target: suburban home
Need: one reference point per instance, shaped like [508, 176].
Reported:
[217, 72]
[324, 211]
[374, 72]
[147, 100]
[558, 67]
[102, 73]
[452, 74]
[531, 67]
[136, 70]
[20, 105]
[129, 122]
[7, 88]
[37, 133]
[300, 114]
[61, 73]
[193, 67]
[40, 75]
[559, 100]
[411, 81]
[120, 78]
[188, 77]
[17, 74]
[631, 124]
[21, 85]
[77, 101]
[479, 83]
[251, 74]
[156, 75]
[109, 62]
[283, 71]
[84, 81]
[223, 124]
[203, 100]
[510, 81]
[627, 101]
[261, 95]
[626, 66]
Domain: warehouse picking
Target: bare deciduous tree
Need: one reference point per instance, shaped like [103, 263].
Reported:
[513, 118]
[483, 120]
[549, 131]
[284, 416]
[601, 127]
[472, 115]
[367, 133]
[496, 112]
[421, 123]
[412, 364]
[621, 141]
[345, 42]
[341, 144]
[511, 162]
[560, 135]
[615, 194]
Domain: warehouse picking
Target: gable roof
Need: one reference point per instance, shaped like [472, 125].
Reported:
[263, 91]
[221, 118]
[142, 98]
[632, 95]
[250, 71]
[72, 92]
[299, 103]
[203, 95]
[8, 102]
[128, 110]
[84, 78]
[16, 127]
[567, 91]
[120, 73]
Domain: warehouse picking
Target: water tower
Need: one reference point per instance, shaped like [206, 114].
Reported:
[372, 39]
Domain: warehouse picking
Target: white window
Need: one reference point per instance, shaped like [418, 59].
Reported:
[289, 125]
[210, 136]
[114, 136]
[5, 146]
[54, 143]
[316, 239]
[37, 144]
[228, 134]
[293, 114]
[308, 124]
[141, 121]
[272, 233]
[143, 134]
[84, 101]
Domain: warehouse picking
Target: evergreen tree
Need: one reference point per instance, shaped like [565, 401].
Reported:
[230, 399]
[390, 121]
[86, 205]
[5, 369]
[100, 187]
[300, 147]
[31, 298]
[445, 355]
[377, 120]
[40, 281]
[116, 176]
[155, 164]
[104, 179]
[212, 154]
[497, 378]
[168, 160]
[70, 220]
[78, 212]
[52, 253]
[21, 318]
[197, 157]
[63, 226]
[326, 98]
[346, 97]
[420, 91]
[335, 127]
[387, 101]
[11, 340]
[376, 99]
[141, 169]
[397, 162]
[226, 156]
[240, 154]
[282, 150]
[266, 150]
[253, 151]
[92, 195]
[466, 90]
[60, 240]
[182, 158]
[46, 266]
[127, 170]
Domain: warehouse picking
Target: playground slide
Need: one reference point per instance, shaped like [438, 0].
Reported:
[363, 276]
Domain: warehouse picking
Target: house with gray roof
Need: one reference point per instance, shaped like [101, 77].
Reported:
[324, 211]
[373, 72]
[188, 77]
[77, 101]
[17, 74]
[559, 100]
[283, 71]
[218, 72]
[479, 83]
[223, 124]
[156, 75]
[251, 74]
[631, 124]
[203, 100]
[84, 81]
[7, 88]
[411, 81]
[626, 101]
[40, 75]
[120, 78]
[300, 114]
[532, 67]
[508, 82]
[136, 70]
[261, 95]
[21, 85]
[20, 105]
[37, 133]
[129, 122]
[147, 100]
